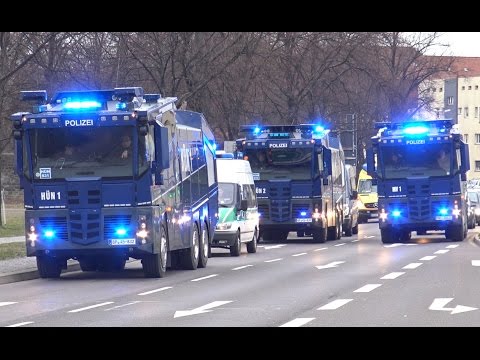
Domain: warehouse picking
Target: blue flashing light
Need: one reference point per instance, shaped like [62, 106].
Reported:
[443, 211]
[121, 106]
[396, 213]
[415, 130]
[319, 129]
[303, 213]
[120, 231]
[257, 130]
[82, 105]
[49, 234]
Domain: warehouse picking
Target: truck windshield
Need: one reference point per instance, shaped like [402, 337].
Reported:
[294, 164]
[365, 186]
[79, 152]
[417, 160]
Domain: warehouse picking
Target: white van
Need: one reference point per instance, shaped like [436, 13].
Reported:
[237, 206]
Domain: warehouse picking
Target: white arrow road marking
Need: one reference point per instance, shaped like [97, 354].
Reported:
[205, 277]
[392, 275]
[427, 258]
[274, 246]
[20, 324]
[273, 260]
[329, 265]
[241, 267]
[412, 266]
[121, 306]
[439, 303]
[91, 307]
[335, 304]
[297, 322]
[452, 246]
[369, 237]
[368, 288]
[340, 244]
[300, 254]
[154, 291]
[7, 303]
[321, 249]
[441, 251]
[475, 262]
[201, 309]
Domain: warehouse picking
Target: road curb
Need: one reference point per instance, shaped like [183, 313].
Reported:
[30, 275]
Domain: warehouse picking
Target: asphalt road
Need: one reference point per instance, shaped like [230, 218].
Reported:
[355, 281]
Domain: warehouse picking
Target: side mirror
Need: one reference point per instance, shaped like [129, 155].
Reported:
[354, 195]
[244, 205]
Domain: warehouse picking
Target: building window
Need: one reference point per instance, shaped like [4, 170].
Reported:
[450, 100]
[476, 87]
[459, 111]
[477, 165]
[476, 111]
[470, 87]
[465, 112]
[465, 138]
[477, 138]
[440, 89]
[463, 87]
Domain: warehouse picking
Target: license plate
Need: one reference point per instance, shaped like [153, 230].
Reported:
[375, 214]
[117, 242]
[300, 220]
[446, 217]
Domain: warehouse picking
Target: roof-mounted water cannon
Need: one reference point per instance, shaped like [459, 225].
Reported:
[37, 96]
[129, 98]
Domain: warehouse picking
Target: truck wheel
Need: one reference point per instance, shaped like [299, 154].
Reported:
[155, 265]
[236, 248]
[389, 236]
[252, 245]
[48, 267]
[355, 229]
[204, 248]
[319, 235]
[455, 233]
[189, 257]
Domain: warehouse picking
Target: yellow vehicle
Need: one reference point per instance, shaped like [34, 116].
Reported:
[367, 198]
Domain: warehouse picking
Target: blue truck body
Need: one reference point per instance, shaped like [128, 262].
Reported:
[420, 169]
[102, 204]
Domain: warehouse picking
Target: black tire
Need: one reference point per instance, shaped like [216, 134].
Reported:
[389, 236]
[319, 235]
[204, 248]
[88, 264]
[455, 233]
[189, 257]
[252, 245]
[355, 229]
[155, 265]
[48, 267]
[349, 229]
[236, 248]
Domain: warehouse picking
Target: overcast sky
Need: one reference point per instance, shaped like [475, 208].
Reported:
[459, 44]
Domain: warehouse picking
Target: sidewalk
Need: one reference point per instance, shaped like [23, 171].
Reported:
[24, 268]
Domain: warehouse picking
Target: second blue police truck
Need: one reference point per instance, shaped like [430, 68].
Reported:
[115, 174]
[420, 168]
[298, 177]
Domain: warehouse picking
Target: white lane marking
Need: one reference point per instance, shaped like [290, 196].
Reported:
[297, 322]
[321, 249]
[20, 324]
[392, 275]
[5, 303]
[475, 262]
[201, 309]
[274, 246]
[120, 306]
[452, 246]
[241, 267]
[368, 288]
[329, 265]
[355, 240]
[91, 307]
[412, 266]
[427, 258]
[392, 245]
[439, 303]
[340, 244]
[335, 304]
[299, 254]
[205, 277]
[269, 261]
[369, 237]
[154, 291]
[441, 251]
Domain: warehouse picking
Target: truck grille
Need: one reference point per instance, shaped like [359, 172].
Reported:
[85, 227]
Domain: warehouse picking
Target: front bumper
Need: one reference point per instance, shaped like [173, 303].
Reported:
[224, 238]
